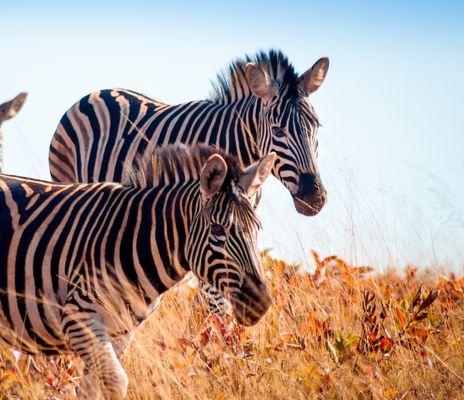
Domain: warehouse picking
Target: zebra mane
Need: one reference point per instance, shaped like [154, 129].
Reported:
[177, 162]
[181, 163]
[231, 85]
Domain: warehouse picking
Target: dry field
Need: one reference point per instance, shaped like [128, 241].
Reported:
[341, 332]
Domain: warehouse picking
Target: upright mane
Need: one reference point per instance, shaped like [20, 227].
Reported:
[231, 85]
[181, 163]
[178, 162]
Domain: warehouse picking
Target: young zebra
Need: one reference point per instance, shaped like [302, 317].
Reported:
[259, 106]
[81, 265]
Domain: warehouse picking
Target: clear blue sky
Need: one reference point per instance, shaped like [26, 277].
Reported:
[392, 107]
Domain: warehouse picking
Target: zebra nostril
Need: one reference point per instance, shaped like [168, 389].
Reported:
[311, 195]
[309, 185]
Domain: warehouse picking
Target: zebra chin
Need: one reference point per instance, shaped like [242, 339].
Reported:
[309, 206]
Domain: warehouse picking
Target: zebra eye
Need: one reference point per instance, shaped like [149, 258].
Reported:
[218, 230]
[278, 132]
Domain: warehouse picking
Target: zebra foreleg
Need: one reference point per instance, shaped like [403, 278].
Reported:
[121, 343]
[104, 376]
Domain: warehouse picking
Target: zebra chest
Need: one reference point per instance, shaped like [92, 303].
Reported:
[125, 314]
[127, 320]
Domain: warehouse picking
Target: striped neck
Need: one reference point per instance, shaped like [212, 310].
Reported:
[241, 135]
[158, 219]
[232, 127]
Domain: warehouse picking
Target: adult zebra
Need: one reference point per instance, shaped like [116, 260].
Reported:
[82, 264]
[259, 105]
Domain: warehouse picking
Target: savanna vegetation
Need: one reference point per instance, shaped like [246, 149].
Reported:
[339, 332]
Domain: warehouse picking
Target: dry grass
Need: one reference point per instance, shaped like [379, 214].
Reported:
[342, 332]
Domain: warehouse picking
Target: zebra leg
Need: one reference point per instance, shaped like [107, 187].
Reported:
[121, 343]
[217, 304]
[87, 336]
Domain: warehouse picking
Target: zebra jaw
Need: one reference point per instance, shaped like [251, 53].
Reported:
[306, 209]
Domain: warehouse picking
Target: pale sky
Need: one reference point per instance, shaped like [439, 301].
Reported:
[391, 148]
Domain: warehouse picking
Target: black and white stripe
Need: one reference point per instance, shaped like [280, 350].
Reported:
[259, 105]
[82, 265]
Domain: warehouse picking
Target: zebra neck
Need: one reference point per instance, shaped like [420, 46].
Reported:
[240, 136]
[232, 127]
[251, 115]
[157, 237]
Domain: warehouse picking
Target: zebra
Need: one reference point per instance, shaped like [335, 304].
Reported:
[82, 264]
[260, 105]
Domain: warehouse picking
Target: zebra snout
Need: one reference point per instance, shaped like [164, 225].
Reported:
[252, 301]
[311, 195]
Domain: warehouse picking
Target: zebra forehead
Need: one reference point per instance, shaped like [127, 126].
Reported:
[232, 206]
[231, 84]
[244, 214]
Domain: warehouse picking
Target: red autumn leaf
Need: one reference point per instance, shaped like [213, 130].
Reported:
[316, 259]
[420, 333]
[205, 336]
[386, 344]
[184, 343]
[400, 316]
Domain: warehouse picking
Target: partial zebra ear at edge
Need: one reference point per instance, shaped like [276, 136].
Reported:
[212, 177]
[255, 175]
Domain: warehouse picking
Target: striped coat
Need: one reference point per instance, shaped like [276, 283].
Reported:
[260, 105]
[83, 264]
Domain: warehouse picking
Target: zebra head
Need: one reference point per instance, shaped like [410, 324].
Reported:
[222, 245]
[288, 125]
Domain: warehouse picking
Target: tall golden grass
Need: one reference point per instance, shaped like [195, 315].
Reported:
[340, 332]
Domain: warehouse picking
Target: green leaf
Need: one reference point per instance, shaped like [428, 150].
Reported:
[350, 340]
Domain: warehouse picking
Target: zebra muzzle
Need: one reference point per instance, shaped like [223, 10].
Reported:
[311, 195]
[251, 302]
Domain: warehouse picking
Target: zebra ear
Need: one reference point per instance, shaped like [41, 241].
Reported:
[255, 175]
[8, 110]
[312, 79]
[259, 82]
[212, 177]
